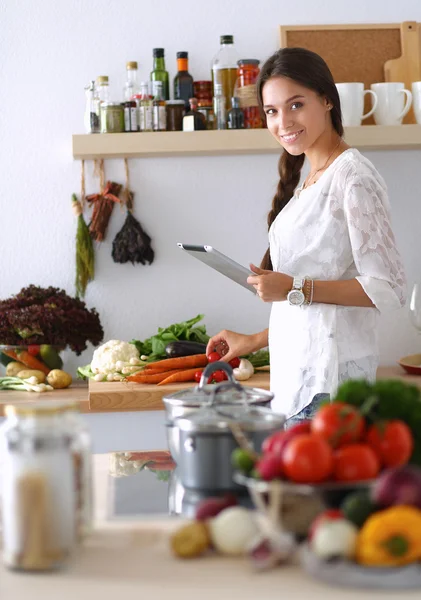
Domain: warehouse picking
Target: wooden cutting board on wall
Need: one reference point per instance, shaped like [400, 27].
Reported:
[355, 52]
[407, 68]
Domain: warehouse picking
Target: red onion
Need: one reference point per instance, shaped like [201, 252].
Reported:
[398, 486]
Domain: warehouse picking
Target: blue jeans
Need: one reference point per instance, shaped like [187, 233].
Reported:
[308, 411]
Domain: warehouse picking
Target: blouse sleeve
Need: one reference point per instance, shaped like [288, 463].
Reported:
[376, 257]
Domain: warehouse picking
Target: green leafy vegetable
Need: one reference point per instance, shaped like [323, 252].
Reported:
[85, 372]
[154, 347]
[384, 400]
[259, 358]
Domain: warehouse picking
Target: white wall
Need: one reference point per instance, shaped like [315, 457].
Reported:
[49, 50]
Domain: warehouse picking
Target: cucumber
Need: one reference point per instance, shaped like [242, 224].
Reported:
[5, 360]
[184, 348]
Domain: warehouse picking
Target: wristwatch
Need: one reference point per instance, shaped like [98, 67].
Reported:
[296, 296]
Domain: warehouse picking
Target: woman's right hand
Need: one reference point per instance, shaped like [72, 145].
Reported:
[229, 344]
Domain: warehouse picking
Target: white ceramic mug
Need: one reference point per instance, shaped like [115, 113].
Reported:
[391, 105]
[416, 100]
[352, 103]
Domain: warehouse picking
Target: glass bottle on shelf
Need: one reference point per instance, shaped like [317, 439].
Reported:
[183, 81]
[235, 115]
[248, 72]
[194, 120]
[145, 109]
[91, 120]
[224, 69]
[219, 108]
[158, 108]
[103, 89]
[159, 73]
[131, 87]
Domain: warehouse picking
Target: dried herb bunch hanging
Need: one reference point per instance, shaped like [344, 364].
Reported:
[103, 204]
[85, 259]
[132, 243]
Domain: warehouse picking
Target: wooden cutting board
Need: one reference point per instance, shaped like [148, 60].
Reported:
[407, 68]
[118, 396]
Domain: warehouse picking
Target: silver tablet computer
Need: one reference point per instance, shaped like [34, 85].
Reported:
[221, 263]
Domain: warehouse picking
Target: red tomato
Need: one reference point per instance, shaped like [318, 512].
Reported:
[234, 362]
[33, 349]
[308, 458]
[218, 376]
[355, 462]
[213, 357]
[331, 514]
[198, 376]
[277, 441]
[338, 423]
[392, 442]
[270, 467]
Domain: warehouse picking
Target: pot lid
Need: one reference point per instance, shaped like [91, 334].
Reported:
[217, 419]
[196, 397]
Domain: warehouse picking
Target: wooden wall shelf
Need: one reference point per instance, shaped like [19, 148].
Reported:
[213, 143]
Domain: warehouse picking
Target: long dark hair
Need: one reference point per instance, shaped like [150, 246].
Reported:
[310, 70]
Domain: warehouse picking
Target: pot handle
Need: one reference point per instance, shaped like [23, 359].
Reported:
[217, 366]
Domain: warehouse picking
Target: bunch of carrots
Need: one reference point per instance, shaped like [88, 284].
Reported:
[171, 370]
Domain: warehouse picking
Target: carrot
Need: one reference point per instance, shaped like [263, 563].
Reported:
[32, 362]
[181, 362]
[11, 354]
[185, 375]
[155, 378]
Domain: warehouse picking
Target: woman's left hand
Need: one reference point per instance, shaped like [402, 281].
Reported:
[270, 285]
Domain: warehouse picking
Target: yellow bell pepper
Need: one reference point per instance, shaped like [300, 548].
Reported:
[390, 538]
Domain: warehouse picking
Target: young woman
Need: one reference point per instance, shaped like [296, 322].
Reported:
[332, 264]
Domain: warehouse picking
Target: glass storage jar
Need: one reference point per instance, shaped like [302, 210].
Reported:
[247, 73]
[112, 117]
[175, 112]
[38, 491]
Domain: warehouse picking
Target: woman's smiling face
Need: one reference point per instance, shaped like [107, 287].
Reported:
[296, 116]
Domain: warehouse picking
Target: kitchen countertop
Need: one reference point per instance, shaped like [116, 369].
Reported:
[122, 397]
[129, 558]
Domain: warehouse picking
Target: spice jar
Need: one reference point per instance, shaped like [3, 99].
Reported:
[175, 113]
[82, 464]
[203, 91]
[247, 74]
[38, 504]
[112, 117]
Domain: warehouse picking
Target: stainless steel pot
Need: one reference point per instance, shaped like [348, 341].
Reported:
[207, 439]
[189, 401]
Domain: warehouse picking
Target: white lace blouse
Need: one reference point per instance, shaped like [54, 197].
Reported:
[338, 228]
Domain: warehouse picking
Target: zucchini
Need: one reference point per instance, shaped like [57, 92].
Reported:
[184, 348]
[5, 360]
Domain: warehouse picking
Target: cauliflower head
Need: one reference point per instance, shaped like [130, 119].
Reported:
[105, 357]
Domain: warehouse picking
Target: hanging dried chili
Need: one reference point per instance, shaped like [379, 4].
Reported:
[85, 259]
[103, 204]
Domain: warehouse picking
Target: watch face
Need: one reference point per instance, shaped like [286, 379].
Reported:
[296, 297]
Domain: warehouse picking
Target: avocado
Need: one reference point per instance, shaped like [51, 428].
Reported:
[357, 507]
[50, 356]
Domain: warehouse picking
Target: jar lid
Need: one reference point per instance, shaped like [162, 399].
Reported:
[226, 39]
[203, 82]
[111, 104]
[248, 61]
[102, 79]
[131, 65]
[217, 419]
[175, 103]
[40, 408]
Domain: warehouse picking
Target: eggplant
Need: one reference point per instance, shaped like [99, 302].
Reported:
[184, 348]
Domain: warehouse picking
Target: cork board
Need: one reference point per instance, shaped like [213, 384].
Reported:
[352, 52]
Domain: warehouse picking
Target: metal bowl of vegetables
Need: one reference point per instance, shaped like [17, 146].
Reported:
[292, 507]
